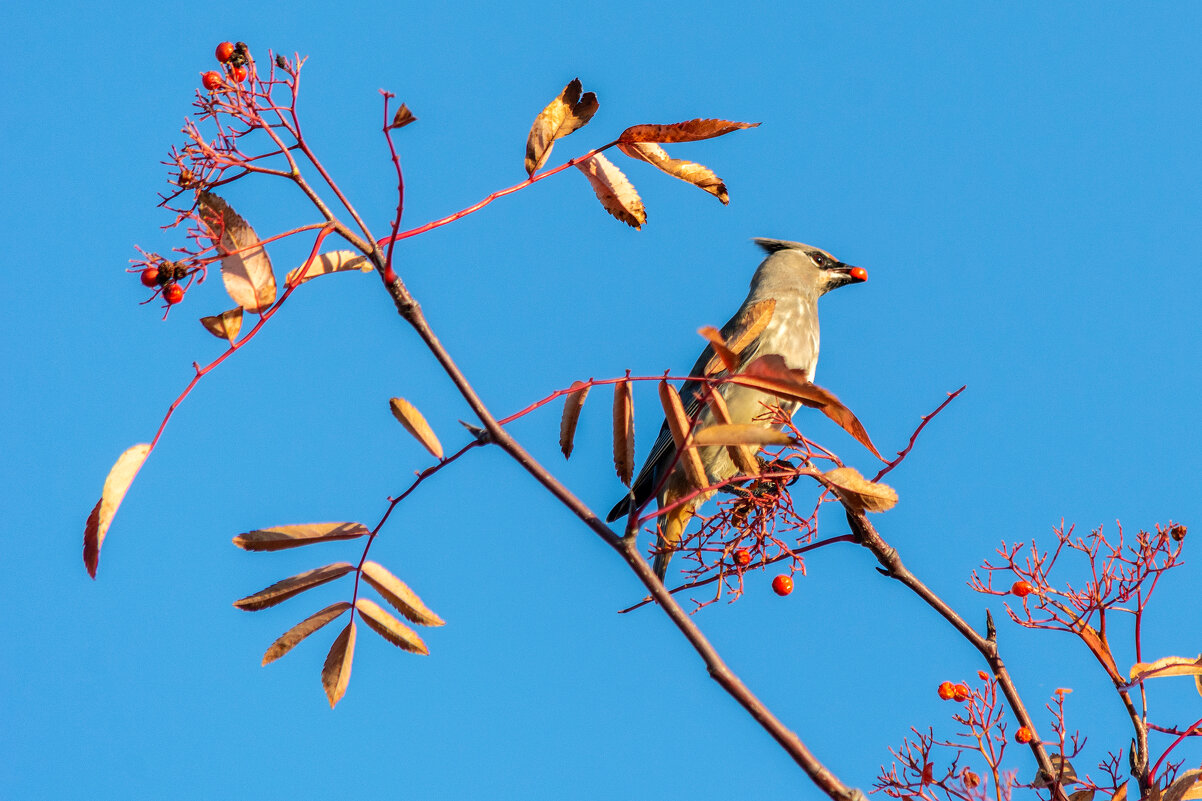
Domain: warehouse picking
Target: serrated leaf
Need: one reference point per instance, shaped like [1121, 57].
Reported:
[679, 425]
[402, 117]
[389, 627]
[573, 402]
[741, 455]
[624, 431]
[336, 672]
[1167, 666]
[688, 131]
[614, 190]
[280, 537]
[225, 325]
[336, 261]
[744, 329]
[723, 357]
[293, 636]
[567, 113]
[860, 493]
[696, 174]
[293, 585]
[116, 484]
[740, 434]
[1185, 787]
[408, 416]
[397, 593]
[245, 266]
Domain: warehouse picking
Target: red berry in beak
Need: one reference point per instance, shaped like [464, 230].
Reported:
[859, 273]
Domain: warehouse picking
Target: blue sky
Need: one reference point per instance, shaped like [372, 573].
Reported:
[1021, 185]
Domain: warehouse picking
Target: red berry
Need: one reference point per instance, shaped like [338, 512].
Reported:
[947, 690]
[1023, 735]
[782, 585]
[211, 80]
[1022, 589]
[150, 277]
[742, 557]
[224, 51]
[173, 293]
[859, 273]
[239, 74]
[961, 692]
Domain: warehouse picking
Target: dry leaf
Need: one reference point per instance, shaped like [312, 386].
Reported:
[723, 357]
[690, 131]
[397, 593]
[292, 637]
[1065, 773]
[740, 434]
[573, 402]
[280, 537]
[225, 325]
[860, 493]
[336, 261]
[569, 112]
[293, 585]
[624, 431]
[1198, 684]
[679, 425]
[614, 190]
[1168, 666]
[741, 455]
[696, 174]
[116, 484]
[389, 627]
[1082, 795]
[336, 672]
[743, 331]
[1120, 794]
[408, 416]
[402, 117]
[245, 267]
[1099, 649]
[1185, 787]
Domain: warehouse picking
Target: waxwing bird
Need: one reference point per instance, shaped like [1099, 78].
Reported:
[787, 286]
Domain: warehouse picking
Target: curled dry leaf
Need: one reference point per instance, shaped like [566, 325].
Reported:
[624, 431]
[390, 628]
[688, 131]
[280, 537]
[402, 117]
[724, 358]
[292, 637]
[408, 416]
[1101, 651]
[680, 426]
[336, 261]
[614, 190]
[1168, 666]
[225, 325]
[116, 484]
[573, 402]
[1065, 773]
[741, 455]
[397, 593]
[1082, 795]
[860, 493]
[742, 331]
[245, 266]
[336, 672]
[740, 434]
[569, 112]
[695, 174]
[293, 585]
[1186, 787]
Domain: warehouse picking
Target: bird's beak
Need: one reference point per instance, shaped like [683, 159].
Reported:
[848, 274]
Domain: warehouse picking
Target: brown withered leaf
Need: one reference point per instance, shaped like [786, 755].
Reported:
[1082, 795]
[723, 357]
[293, 585]
[740, 434]
[1065, 773]
[280, 537]
[1120, 794]
[750, 323]
[696, 174]
[1167, 666]
[1186, 787]
[397, 593]
[1099, 649]
[679, 425]
[116, 484]
[336, 672]
[335, 261]
[225, 325]
[389, 627]
[688, 131]
[408, 416]
[624, 431]
[860, 493]
[741, 455]
[567, 113]
[293, 636]
[402, 117]
[245, 266]
[573, 402]
[614, 190]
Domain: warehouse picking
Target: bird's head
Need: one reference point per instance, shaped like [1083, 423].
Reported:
[803, 267]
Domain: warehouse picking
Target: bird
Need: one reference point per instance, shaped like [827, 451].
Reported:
[786, 286]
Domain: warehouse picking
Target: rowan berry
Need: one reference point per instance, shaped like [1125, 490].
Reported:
[1023, 735]
[947, 690]
[150, 277]
[224, 51]
[1022, 589]
[211, 80]
[742, 557]
[173, 293]
[961, 692]
[239, 74]
[782, 585]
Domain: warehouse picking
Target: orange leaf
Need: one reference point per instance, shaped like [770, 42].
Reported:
[402, 117]
[739, 434]
[695, 174]
[293, 585]
[1167, 666]
[680, 426]
[722, 355]
[860, 493]
[225, 325]
[408, 416]
[1100, 649]
[572, 404]
[397, 593]
[567, 113]
[624, 431]
[334, 262]
[336, 672]
[743, 331]
[116, 484]
[280, 537]
[690, 131]
[293, 636]
[389, 627]
[741, 455]
[245, 266]
[614, 190]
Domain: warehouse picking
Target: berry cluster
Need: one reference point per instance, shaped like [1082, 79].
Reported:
[235, 57]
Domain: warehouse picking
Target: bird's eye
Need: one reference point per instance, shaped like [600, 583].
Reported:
[820, 260]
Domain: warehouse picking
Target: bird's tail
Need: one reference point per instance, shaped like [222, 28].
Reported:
[671, 531]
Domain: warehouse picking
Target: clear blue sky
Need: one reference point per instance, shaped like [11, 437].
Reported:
[1022, 186]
